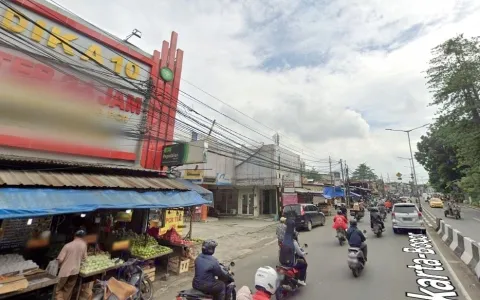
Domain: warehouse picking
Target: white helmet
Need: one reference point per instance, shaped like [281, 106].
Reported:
[266, 278]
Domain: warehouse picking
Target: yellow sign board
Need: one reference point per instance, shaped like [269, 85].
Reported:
[173, 219]
[193, 174]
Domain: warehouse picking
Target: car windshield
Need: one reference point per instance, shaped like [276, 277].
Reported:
[405, 209]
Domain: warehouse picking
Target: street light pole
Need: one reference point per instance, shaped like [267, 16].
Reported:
[413, 166]
[411, 157]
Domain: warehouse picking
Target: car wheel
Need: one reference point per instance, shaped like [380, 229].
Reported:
[309, 226]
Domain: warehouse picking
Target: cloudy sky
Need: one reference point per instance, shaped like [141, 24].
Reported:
[329, 75]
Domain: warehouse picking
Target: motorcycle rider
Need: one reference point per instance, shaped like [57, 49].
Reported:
[356, 238]
[340, 221]
[301, 264]
[281, 230]
[290, 250]
[376, 218]
[343, 208]
[267, 282]
[206, 268]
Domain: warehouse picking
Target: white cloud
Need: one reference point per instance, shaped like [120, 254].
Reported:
[352, 67]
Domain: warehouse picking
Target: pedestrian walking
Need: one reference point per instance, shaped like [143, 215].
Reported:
[70, 259]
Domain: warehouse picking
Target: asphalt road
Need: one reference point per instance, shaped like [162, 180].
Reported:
[469, 224]
[386, 276]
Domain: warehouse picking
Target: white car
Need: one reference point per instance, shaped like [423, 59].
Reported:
[406, 217]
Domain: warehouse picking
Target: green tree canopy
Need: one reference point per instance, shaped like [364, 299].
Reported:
[363, 173]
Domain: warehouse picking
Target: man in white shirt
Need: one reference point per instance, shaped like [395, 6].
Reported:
[70, 259]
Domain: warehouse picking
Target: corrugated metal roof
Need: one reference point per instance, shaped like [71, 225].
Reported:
[54, 179]
[66, 164]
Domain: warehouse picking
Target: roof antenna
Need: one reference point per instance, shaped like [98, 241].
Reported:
[136, 33]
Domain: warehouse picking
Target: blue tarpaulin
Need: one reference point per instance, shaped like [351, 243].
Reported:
[22, 203]
[330, 192]
[206, 194]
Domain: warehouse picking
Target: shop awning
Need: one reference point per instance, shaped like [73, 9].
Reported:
[306, 191]
[23, 203]
[206, 194]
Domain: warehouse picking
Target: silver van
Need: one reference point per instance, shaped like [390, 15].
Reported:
[407, 217]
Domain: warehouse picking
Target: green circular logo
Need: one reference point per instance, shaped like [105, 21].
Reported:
[166, 74]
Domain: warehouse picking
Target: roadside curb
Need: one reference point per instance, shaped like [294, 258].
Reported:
[464, 247]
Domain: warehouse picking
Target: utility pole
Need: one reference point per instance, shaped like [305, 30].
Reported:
[143, 122]
[211, 128]
[331, 174]
[341, 169]
[347, 186]
[279, 194]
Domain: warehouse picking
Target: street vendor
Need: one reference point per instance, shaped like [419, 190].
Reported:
[70, 259]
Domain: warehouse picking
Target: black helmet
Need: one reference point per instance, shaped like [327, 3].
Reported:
[208, 247]
[339, 212]
[353, 223]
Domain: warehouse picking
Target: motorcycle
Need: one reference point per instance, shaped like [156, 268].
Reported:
[230, 291]
[341, 236]
[453, 212]
[356, 260]
[358, 215]
[130, 273]
[377, 229]
[288, 280]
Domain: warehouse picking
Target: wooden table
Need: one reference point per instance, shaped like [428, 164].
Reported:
[36, 282]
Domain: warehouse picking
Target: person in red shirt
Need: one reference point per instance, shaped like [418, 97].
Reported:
[340, 221]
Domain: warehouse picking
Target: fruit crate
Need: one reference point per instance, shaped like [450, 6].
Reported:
[149, 272]
[178, 265]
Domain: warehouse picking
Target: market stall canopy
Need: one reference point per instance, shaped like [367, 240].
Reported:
[27, 202]
[206, 194]
[86, 180]
[330, 192]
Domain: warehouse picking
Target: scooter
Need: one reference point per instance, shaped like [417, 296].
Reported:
[288, 280]
[132, 274]
[356, 260]
[455, 212]
[341, 236]
[230, 291]
[377, 229]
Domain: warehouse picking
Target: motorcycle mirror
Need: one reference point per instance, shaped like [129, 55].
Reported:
[232, 264]
[306, 246]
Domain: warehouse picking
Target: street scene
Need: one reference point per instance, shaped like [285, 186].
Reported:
[239, 150]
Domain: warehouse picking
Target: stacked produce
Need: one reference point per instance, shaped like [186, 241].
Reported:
[173, 237]
[99, 262]
[147, 247]
[11, 263]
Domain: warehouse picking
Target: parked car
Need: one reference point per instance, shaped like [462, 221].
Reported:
[306, 215]
[406, 216]
[435, 202]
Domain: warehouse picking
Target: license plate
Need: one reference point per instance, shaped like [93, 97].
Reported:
[407, 219]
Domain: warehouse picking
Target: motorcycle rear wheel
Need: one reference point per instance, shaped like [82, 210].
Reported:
[146, 289]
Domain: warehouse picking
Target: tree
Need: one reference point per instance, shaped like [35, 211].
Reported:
[450, 151]
[313, 174]
[438, 156]
[364, 172]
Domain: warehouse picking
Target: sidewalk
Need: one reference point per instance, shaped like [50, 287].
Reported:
[236, 238]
